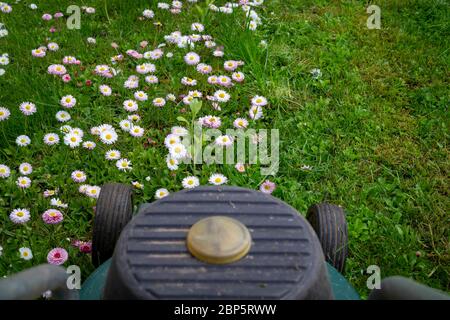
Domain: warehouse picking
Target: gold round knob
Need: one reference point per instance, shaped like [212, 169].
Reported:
[218, 240]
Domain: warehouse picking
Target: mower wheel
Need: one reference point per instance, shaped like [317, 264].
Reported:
[113, 211]
[328, 221]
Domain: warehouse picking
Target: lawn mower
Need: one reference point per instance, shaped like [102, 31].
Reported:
[214, 242]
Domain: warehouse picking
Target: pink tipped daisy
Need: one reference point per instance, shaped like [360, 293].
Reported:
[267, 187]
[52, 216]
[57, 256]
[78, 176]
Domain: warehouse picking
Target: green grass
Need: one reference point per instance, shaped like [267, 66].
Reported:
[374, 128]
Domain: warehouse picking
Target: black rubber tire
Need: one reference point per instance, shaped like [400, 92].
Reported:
[114, 210]
[330, 225]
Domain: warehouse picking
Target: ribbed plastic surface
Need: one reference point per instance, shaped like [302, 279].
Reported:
[151, 260]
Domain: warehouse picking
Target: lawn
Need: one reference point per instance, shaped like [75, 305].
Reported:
[369, 132]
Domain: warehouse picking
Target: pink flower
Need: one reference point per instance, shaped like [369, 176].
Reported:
[114, 45]
[66, 78]
[240, 167]
[58, 15]
[85, 247]
[143, 44]
[47, 16]
[52, 216]
[57, 256]
[267, 187]
[52, 29]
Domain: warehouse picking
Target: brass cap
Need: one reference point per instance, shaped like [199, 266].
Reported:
[218, 240]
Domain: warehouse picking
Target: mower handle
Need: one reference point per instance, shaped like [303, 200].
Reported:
[32, 283]
[401, 288]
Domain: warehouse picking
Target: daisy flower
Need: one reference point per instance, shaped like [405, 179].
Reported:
[171, 139]
[125, 125]
[72, 140]
[179, 131]
[27, 108]
[136, 131]
[171, 97]
[123, 164]
[51, 139]
[224, 141]
[57, 69]
[57, 256]
[47, 16]
[210, 44]
[196, 26]
[137, 185]
[105, 90]
[53, 46]
[23, 141]
[25, 169]
[224, 81]
[91, 40]
[267, 187]
[38, 53]
[238, 76]
[5, 8]
[211, 122]
[19, 216]
[145, 68]
[188, 99]
[108, 136]
[5, 171]
[221, 96]
[178, 151]
[52, 216]
[148, 14]
[78, 176]
[240, 167]
[255, 112]
[159, 102]
[172, 163]
[316, 73]
[217, 179]
[161, 193]
[240, 123]
[213, 79]
[90, 10]
[112, 155]
[140, 96]
[92, 191]
[25, 253]
[68, 101]
[259, 101]
[190, 182]
[204, 68]
[230, 65]
[56, 202]
[192, 58]
[90, 145]
[130, 105]
[62, 116]
[188, 81]
[4, 113]
[151, 79]
[4, 59]
[134, 117]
